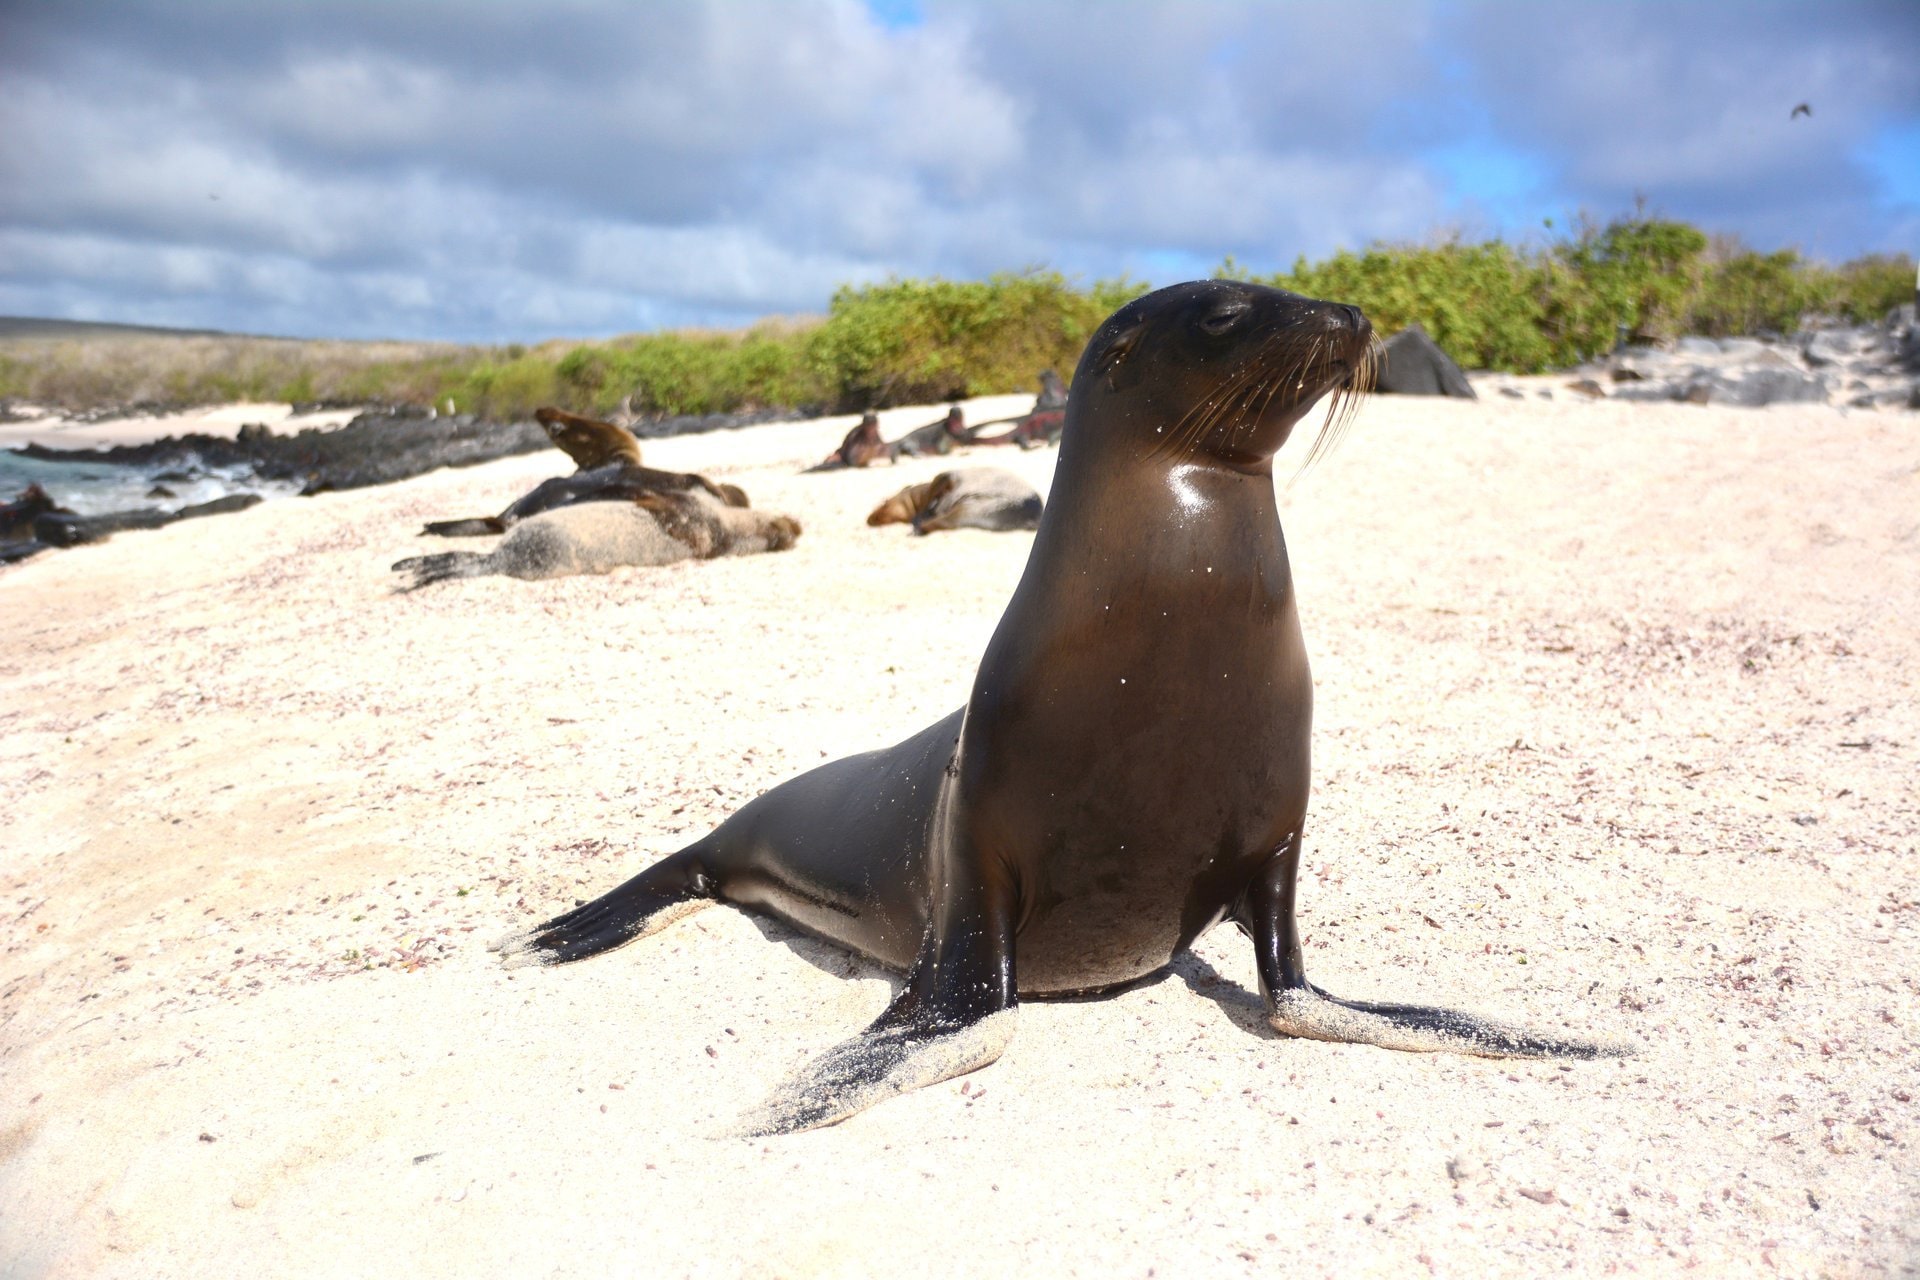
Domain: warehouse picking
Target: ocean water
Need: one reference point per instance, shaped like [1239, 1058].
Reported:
[94, 488]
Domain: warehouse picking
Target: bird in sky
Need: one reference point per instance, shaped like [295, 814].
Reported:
[1802, 110]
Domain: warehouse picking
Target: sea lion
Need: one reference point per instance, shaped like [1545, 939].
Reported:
[595, 537]
[936, 438]
[1132, 765]
[591, 443]
[975, 498]
[861, 446]
[17, 516]
[18, 538]
[1040, 425]
[616, 482]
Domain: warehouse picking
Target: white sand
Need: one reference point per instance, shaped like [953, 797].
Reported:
[1618, 731]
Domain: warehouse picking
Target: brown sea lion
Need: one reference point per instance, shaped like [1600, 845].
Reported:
[1040, 425]
[615, 483]
[936, 438]
[596, 537]
[591, 443]
[17, 516]
[1132, 767]
[861, 446]
[973, 498]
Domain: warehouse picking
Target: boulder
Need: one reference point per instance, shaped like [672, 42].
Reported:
[1753, 387]
[1412, 364]
[1743, 348]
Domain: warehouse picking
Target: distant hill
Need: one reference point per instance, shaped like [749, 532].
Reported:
[31, 327]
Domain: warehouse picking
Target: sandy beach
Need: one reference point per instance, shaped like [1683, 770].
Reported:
[1618, 727]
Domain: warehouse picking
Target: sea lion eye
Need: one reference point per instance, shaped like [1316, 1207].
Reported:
[1121, 346]
[1225, 316]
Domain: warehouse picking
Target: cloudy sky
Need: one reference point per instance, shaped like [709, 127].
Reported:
[528, 168]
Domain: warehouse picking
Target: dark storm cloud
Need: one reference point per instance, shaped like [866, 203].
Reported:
[517, 169]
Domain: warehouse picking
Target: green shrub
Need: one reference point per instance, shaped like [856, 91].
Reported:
[1489, 304]
[908, 341]
[1480, 302]
[1743, 292]
[1867, 288]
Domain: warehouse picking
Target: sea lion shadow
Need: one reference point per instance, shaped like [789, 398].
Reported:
[828, 958]
[1244, 1008]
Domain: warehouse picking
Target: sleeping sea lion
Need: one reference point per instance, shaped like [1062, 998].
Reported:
[596, 537]
[936, 438]
[617, 482]
[1040, 425]
[1132, 767]
[974, 498]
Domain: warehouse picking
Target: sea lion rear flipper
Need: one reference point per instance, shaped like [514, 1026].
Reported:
[955, 1015]
[422, 570]
[471, 528]
[667, 891]
[1295, 1007]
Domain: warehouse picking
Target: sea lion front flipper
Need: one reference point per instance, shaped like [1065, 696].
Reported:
[1295, 1007]
[955, 1015]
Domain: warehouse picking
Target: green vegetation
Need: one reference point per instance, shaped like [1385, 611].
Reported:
[1494, 306]
[1491, 305]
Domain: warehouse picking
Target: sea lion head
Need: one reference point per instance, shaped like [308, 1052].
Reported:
[1219, 370]
[590, 442]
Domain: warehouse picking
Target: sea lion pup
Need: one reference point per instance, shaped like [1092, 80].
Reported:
[936, 438]
[617, 482]
[975, 498]
[1132, 766]
[595, 537]
[591, 443]
[861, 446]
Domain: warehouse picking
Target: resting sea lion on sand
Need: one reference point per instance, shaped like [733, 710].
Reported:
[975, 498]
[1041, 425]
[936, 438]
[596, 537]
[18, 540]
[861, 446]
[17, 517]
[615, 483]
[1132, 766]
[591, 443]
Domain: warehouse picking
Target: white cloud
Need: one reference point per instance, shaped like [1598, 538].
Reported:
[512, 169]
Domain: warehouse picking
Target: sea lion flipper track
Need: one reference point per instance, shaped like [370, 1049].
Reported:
[1295, 1007]
[956, 1014]
[669, 890]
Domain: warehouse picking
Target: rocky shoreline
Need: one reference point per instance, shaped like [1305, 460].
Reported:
[379, 446]
[1857, 366]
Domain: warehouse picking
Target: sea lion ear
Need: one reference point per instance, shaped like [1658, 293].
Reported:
[1118, 348]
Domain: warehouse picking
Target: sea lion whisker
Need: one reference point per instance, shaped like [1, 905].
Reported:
[1231, 396]
[1194, 425]
[1342, 408]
